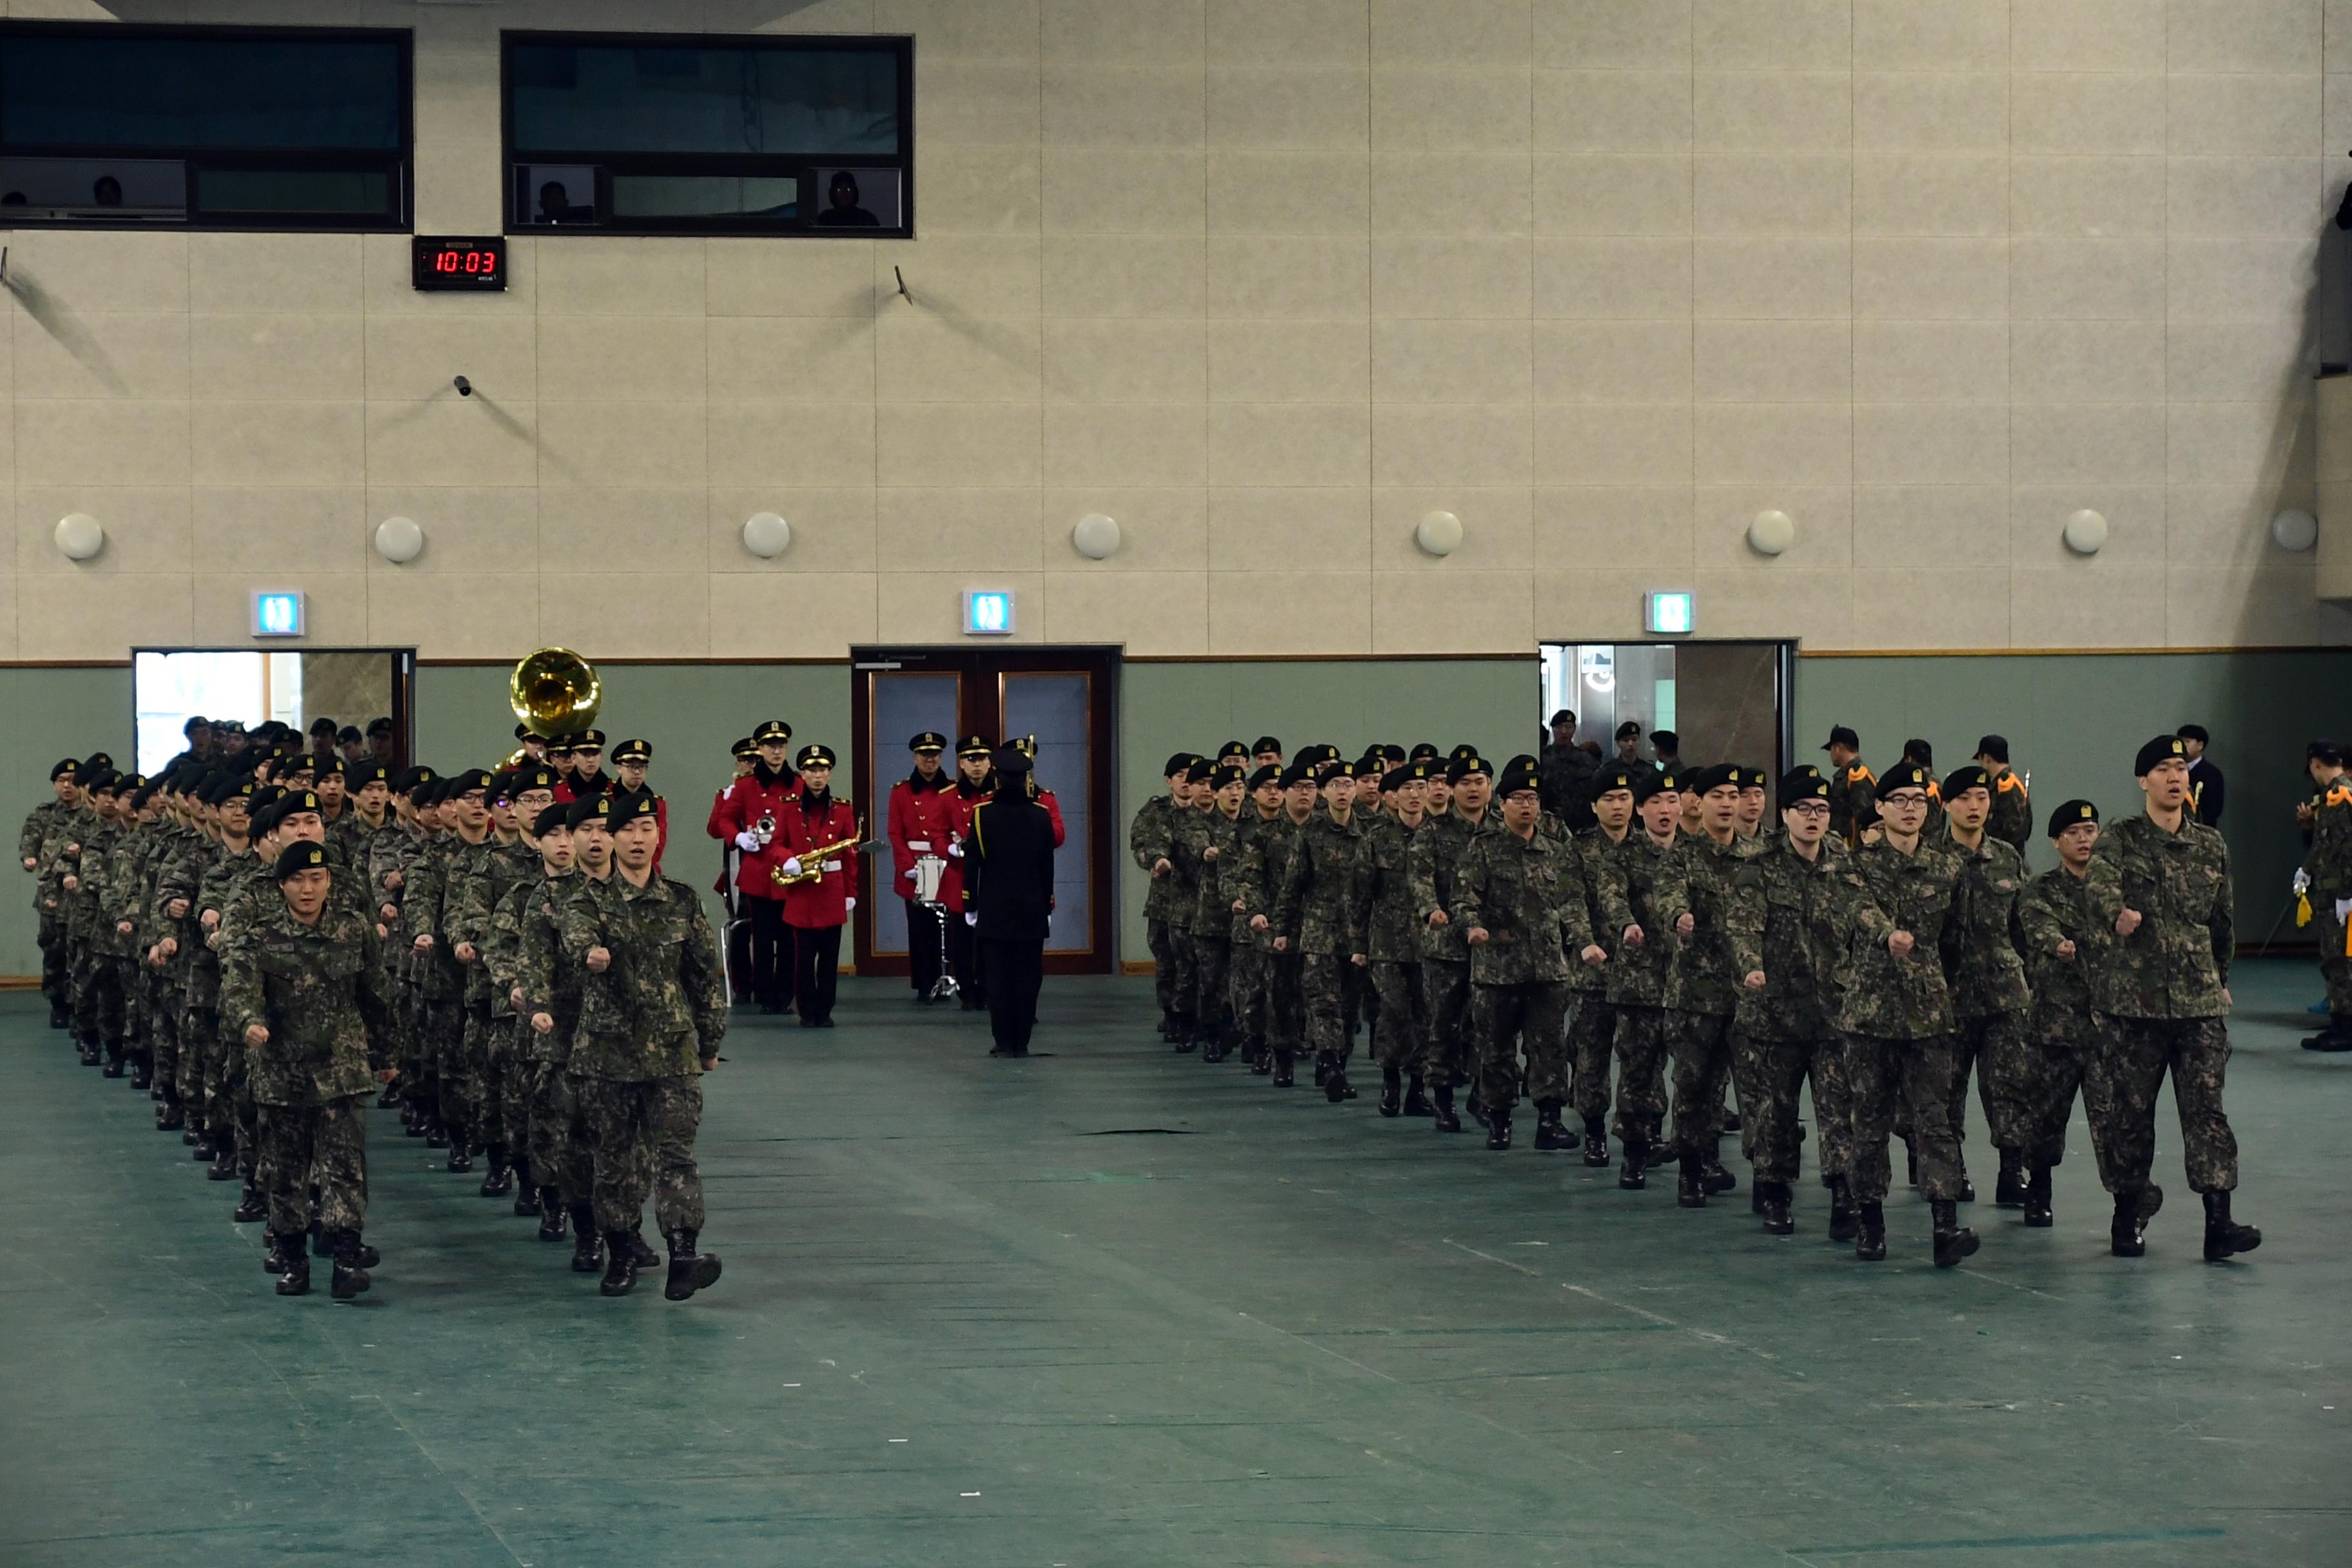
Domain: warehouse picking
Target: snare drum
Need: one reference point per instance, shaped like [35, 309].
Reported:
[929, 871]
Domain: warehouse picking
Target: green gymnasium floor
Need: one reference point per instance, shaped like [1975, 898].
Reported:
[1113, 1306]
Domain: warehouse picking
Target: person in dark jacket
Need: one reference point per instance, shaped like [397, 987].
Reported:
[2206, 786]
[1008, 895]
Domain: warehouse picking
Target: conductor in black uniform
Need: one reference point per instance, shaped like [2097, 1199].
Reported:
[1008, 899]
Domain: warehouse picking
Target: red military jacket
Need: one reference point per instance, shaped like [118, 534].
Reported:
[801, 828]
[923, 821]
[759, 793]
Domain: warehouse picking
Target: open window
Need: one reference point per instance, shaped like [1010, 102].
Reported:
[1723, 701]
[246, 688]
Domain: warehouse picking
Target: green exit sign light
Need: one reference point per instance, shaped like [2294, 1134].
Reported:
[1671, 613]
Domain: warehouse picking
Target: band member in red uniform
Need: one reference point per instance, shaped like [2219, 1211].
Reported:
[746, 815]
[1027, 746]
[738, 934]
[922, 826]
[588, 774]
[813, 824]
[975, 782]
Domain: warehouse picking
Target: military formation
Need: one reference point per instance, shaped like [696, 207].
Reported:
[267, 938]
[1671, 953]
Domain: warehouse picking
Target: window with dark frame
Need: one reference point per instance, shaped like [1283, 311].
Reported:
[119, 125]
[707, 135]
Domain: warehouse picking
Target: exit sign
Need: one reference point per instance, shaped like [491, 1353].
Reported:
[988, 612]
[278, 614]
[1670, 614]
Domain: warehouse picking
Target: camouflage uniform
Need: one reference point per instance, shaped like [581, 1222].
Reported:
[1565, 775]
[1896, 1013]
[1212, 928]
[1854, 803]
[1623, 884]
[197, 976]
[396, 851]
[2328, 864]
[441, 990]
[39, 823]
[645, 1024]
[1783, 915]
[2012, 818]
[2064, 1033]
[527, 948]
[1592, 1022]
[1148, 837]
[1702, 997]
[1438, 847]
[1256, 880]
[1313, 898]
[2162, 990]
[98, 1012]
[1990, 999]
[229, 1111]
[318, 991]
[1527, 895]
[1242, 880]
[1391, 938]
[1188, 835]
[479, 877]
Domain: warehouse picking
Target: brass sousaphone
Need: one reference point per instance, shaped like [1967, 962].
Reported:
[555, 692]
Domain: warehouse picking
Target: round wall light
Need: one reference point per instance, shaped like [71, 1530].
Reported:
[1771, 532]
[399, 541]
[2294, 531]
[1439, 533]
[1095, 537]
[766, 535]
[80, 536]
[2085, 532]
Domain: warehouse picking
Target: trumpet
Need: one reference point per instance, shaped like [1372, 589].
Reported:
[813, 861]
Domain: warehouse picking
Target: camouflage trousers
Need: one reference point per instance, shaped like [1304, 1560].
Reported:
[1918, 1075]
[1770, 1075]
[1327, 984]
[518, 1083]
[561, 1144]
[2335, 963]
[1641, 1043]
[1446, 1055]
[1400, 1040]
[1162, 940]
[1246, 990]
[1212, 958]
[322, 1145]
[1701, 1047]
[161, 1010]
[56, 983]
[2121, 1088]
[200, 1040]
[99, 1015]
[1286, 1000]
[441, 1050]
[244, 1116]
[2061, 1045]
[1503, 1019]
[1591, 1035]
[1180, 963]
[645, 1145]
[484, 1071]
[1995, 1045]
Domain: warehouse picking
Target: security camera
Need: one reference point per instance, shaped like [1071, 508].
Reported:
[464, 387]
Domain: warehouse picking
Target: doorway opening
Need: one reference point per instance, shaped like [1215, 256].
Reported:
[1065, 697]
[1723, 701]
[353, 686]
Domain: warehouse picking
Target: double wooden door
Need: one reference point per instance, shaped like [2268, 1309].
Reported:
[1067, 698]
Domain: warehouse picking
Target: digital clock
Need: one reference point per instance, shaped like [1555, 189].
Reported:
[462, 264]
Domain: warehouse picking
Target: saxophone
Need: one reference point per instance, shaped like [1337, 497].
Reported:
[813, 861]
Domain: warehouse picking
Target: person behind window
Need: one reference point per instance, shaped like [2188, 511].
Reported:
[842, 210]
[555, 206]
[107, 192]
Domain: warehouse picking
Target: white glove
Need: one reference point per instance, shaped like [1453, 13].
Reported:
[908, 873]
[791, 866]
[849, 906]
[955, 850]
[2343, 908]
[2302, 881]
[971, 920]
[748, 842]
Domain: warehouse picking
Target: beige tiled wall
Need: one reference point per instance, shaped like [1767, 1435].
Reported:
[1267, 281]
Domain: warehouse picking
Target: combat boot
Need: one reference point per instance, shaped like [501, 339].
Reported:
[1334, 1079]
[1261, 1056]
[1596, 1144]
[1776, 1220]
[644, 1255]
[273, 1252]
[527, 1202]
[1870, 1234]
[249, 1206]
[587, 1250]
[143, 1071]
[294, 1255]
[2008, 1190]
[116, 1066]
[1843, 1225]
[551, 1217]
[689, 1272]
[1967, 1188]
[1184, 1044]
[1392, 1091]
[1712, 1176]
[1634, 1175]
[461, 1153]
[1663, 1151]
[2038, 1215]
[200, 1145]
[1322, 1067]
[499, 1181]
[620, 1266]
[172, 1116]
[1551, 1133]
[88, 1050]
[1690, 1184]
[351, 1258]
[1443, 1119]
[436, 1136]
[2337, 1037]
[1499, 1127]
[1416, 1098]
[58, 1018]
[1213, 1045]
[224, 1165]
[1953, 1241]
[2127, 1232]
[2225, 1237]
[1283, 1060]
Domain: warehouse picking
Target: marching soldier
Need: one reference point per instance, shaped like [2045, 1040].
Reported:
[1314, 900]
[1437, 850]
[2160, 881]
[1624, 885]
[521, 961]
[1188, 838]
[1242, 879]
[1989, 1000]
[1690, 894]
[1257, 885]
[1222, 827]
[39, 824]
[2325, 877]
[2064, 948]
[818, 838]
[1592, 1023]
[2011, 820]
[1853, 801]
[1389, 938]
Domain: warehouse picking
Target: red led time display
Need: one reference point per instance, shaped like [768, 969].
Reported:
[462, 264]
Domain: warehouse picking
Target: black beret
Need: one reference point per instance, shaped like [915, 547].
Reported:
[1993, 746]
[297, 800]
[1564, 716]
[1462, 767]
[323, 725]
[1264, 776]
[1840, 735]
[1904, 775]
[1424, 752]
[1919, 751]
[551, 818]
[466, 783]
[1227, 774]
[1755, 778]
[2163, 748]
[1392, 754]
[1715, 778]
[2327, 751]
[1199, 771]
[94, 775]
[928, 741]
[773, 730]
[195, 721]
[328, 767]
[380, 727]
[1616, 776]
[1628, 728]
[1667, 740]
[1371, 764]
[814, 757]
[1336, 769]
[2072, 814]
[347, 734]
[1802, 784]
[525, 779]
[1518, 774]
[1296, 773]
[629, 804]
[143, 790]
[1966, 778]
[1461, 752]
[303, 856]
[407, 779]
[63, 766]
[1181, 762]
[1650, 783]
[1266, 743]
[2190, 732]
[429, 791]
[1231, 749]
[359, 776]
[593, 808]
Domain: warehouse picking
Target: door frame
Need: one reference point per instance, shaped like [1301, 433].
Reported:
[1784, 663]
[980, 707]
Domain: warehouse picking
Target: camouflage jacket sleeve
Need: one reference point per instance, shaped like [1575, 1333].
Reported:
[1860, 920]
[539, 944]
[243, 1002]
[1611, 893]
[706, 987]
[1669, 893]
[421, 895]
[1290, 882]
[580, 926]
[2329, 861]
[1469, 910]
[1576, 931]
[374, 997]
[466, 901]
[1147, 836]
[502, 952]
[1743, 917]
[29, 837]
[2041, 921]
[1422, 875]
[1363, 882]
